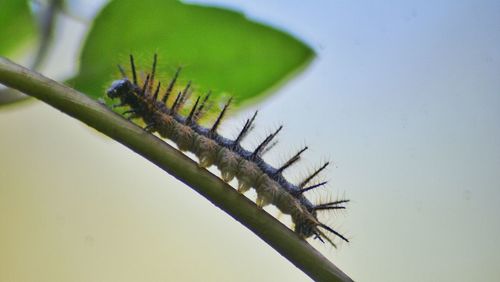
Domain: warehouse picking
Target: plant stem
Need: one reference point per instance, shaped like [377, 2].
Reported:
[46, 27]
[98, 116]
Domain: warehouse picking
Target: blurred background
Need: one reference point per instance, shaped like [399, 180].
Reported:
[403, 97]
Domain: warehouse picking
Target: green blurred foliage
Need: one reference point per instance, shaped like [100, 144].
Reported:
[219, 50]
[17, 25]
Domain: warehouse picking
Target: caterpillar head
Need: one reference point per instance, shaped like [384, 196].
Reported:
[119, 88]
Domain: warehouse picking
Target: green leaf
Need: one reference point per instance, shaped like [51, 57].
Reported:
[220, 50]
[17, 25]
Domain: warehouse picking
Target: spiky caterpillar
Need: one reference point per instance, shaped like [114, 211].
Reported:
[227, 155]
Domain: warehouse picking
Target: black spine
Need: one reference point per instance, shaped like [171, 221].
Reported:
[333, 231]
[144, 87]
[153, 72]
[292, 160]
[171, 86]
[189, 119]
[312, 187]
[246, 128]
[304, 183]
[199, 112]
[157, 91]
[266, 141]
[122, 71]
[132, 66]
[221, 115]
[176, 103]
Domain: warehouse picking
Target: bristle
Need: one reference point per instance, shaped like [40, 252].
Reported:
[242, 133]
[321, 234]
[269, 138]
[246, 128]
[185, 95]
[144, 87]
[186, 89]
[292, 160]
[312, 187]
[304, 183]
[333, 231]
[153, 72]
[122, 71]
[329, 208]
[157, 91]
[318, 236]
[269, 147]
[332, 205]
[171, 86]
[132, 66]
[221, 115]
[199, 112]
[191, 114]
[173, 109]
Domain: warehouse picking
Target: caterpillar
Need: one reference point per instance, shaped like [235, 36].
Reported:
[161, 115]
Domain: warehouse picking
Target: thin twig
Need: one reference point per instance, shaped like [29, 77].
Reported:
[98, 116]
[46, 28]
